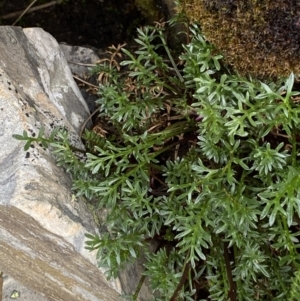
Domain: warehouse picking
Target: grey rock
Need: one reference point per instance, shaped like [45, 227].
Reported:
[81, 61]
[41, 227]
[14, 289]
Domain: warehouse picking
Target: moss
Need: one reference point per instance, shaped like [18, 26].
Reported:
[258, 37]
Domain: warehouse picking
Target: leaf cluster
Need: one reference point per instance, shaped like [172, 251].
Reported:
[200, 162]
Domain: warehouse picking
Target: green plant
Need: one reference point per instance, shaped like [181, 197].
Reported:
[294, 295]
[203, 163]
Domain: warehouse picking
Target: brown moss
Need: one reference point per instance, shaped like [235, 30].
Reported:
[258, 37]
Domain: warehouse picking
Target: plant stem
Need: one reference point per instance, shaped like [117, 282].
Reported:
[170, 57]
[137, 291]
[232, 292]
[182, 281]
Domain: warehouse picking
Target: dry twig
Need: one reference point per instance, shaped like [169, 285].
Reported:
[27, 10]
